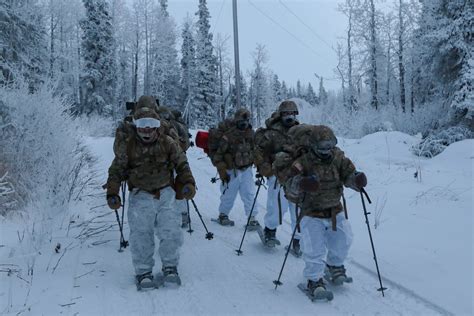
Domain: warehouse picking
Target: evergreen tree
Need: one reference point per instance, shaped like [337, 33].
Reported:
[299, 91]
[23, 43]
[188, 64]
[276, 89]
[284, 91]
[205, 109]
[323, 95]
[99, 75]
[311, 95]
[445, 57]
[164, 82]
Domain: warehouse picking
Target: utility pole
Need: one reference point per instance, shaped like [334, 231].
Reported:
[236, 54]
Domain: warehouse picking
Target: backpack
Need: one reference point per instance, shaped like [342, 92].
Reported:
[210, 141]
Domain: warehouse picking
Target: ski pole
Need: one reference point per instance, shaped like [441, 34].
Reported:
[209, 235]
[259, 183]
[123, 242]
[300, 216]
[190, 230]
[362, 193]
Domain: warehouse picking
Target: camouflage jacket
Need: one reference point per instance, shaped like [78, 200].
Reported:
[149, 167]
[271, 140]
[333, 175]
[235, 149]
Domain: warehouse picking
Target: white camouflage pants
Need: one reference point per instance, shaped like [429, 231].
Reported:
[272, 217]
[321, 245]
[241, 182]
[148, 216]
[182, 206]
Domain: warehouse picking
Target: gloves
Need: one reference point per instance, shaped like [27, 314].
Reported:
[223, 175]
[309, 183]
[265, 169]
[360, 180]
[114, 201]
[188, 191]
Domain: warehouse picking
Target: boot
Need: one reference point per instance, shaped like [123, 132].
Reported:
[317, 290]
[170, 275]
[296, 248]
[270, 237]
[253, 224]
[336, 275]
[224, 220]
[145, 280]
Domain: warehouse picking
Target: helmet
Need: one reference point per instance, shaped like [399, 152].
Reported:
[242, 118]
[288, 111]
[146, 119]
[288, 106]
[324, 142]
[320, 139]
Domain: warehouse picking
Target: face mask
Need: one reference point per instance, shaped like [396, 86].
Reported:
[288, 119]
[243, 124]
[147, 134]
[324, 149]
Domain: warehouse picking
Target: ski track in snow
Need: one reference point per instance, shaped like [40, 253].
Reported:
[95, 279]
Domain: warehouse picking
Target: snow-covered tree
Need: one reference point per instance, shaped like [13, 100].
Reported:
[323, 95]
[22, 43]
[311, 96]
[164, 81]
[188, 63]
[99, 73]
[259, 86]
[205, 110]
[445, 57]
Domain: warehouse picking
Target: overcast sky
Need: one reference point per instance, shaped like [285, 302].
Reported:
[298, 37]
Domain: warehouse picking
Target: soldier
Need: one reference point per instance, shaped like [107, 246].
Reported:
[233, 160]
[146, 158]
[268, 142]
[314, 179]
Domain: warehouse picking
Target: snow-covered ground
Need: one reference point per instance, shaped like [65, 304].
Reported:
[424, 243]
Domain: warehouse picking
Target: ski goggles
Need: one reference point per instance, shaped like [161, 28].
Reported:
[324, 147]
[147, 122]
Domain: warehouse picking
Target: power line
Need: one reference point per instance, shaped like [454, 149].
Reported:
[284, 29]
[307, 26]
[218, 17]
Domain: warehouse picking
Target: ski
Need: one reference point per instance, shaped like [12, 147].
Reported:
[295, 253]
[321, 295]
[272, 243]
[226, 223]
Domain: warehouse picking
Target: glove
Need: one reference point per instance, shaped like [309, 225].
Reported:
[360, 180]
[309, 183]
[114, 201]
[188, 191]
[223, 175]
[265, 169]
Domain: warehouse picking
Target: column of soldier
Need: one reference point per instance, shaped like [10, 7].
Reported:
[305, 173]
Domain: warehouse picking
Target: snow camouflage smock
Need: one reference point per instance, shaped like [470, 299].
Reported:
[235, 149]
[271, 140]
[148, 167]
[333, 174]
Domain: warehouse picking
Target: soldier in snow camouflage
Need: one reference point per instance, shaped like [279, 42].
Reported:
[269, 142]
[233, 160]
[147, 159]
[314, 176]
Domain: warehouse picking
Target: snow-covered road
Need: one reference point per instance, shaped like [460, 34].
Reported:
[421, 266]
